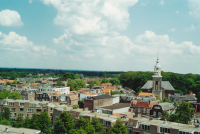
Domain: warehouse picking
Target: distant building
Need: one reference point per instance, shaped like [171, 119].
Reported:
[158, 87]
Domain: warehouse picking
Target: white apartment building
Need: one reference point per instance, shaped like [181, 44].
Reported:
[62, 90]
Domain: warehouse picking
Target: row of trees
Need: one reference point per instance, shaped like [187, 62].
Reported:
[64, 124]
[10, 95]
[114, 81]
[41, 122]
[75, 85]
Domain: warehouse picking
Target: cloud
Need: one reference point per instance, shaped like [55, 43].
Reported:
[195, 8]
[177, 12]
[96, 17]
[10, 18]
[172, 30]
[16, 43]
[91, 38]
[190, 29]
[162, 2]
[30, 1]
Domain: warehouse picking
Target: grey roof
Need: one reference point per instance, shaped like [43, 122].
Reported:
[116, 106]
[104, 96]
[166, 106]
[190, 97]
[164, 84]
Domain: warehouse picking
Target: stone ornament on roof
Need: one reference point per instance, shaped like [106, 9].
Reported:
[157, 68]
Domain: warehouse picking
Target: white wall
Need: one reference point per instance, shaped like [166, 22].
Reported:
[83, 96]
[62, 90]
[121, 110]
[116, 100]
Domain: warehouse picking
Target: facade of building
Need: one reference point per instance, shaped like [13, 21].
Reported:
[27, 107]
[157, 109]
[158, 87]
[100, 100]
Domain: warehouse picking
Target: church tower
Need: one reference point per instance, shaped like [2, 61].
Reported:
[157, 81]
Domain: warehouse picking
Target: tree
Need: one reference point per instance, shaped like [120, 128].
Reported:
[80, 84]
[71, 85]
[19, 121]
[97, 126]
[83, 123]
[15, 95]
[104, 81]
[92, 83]
[5, 122]
[44, 123]
[59, 83]
[173, 118]
[69, 75]
[64, 124]
[185, 112]
[167, 100]
[114, 81]
[164, 115]
[77, 76]
[33, 121]
[6, 113]
[104, 75]
[81, 76]
[27, 123]
[158, 98]
[118, 128]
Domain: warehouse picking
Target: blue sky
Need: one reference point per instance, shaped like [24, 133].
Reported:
[107, 35]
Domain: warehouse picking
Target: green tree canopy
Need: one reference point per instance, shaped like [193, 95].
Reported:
[164, 115]
[97, 126]
[185, 112]
[114, 81]
[33, 121]
[6, 113]
[104, 81]
[118, 128]
[44, 123]
[83, 123]
[64, 124]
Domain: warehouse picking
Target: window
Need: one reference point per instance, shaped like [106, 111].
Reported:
[43, 95]
[15, 115]
[106, 130]
[131, 124]
[44, 105]
[147, 110]
[144, 110]
[165, 130]
[38, 95]
[145, 127]
[22, 104]
[30, 110]
[31, 105]
[129, 131]
[159, 113]
[11, 103]
[27, 115]
[154, 113]
[39, 104]
[106, 123]
[138, 110]
[12, 109]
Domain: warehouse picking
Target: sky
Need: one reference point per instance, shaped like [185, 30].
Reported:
[104, 35]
